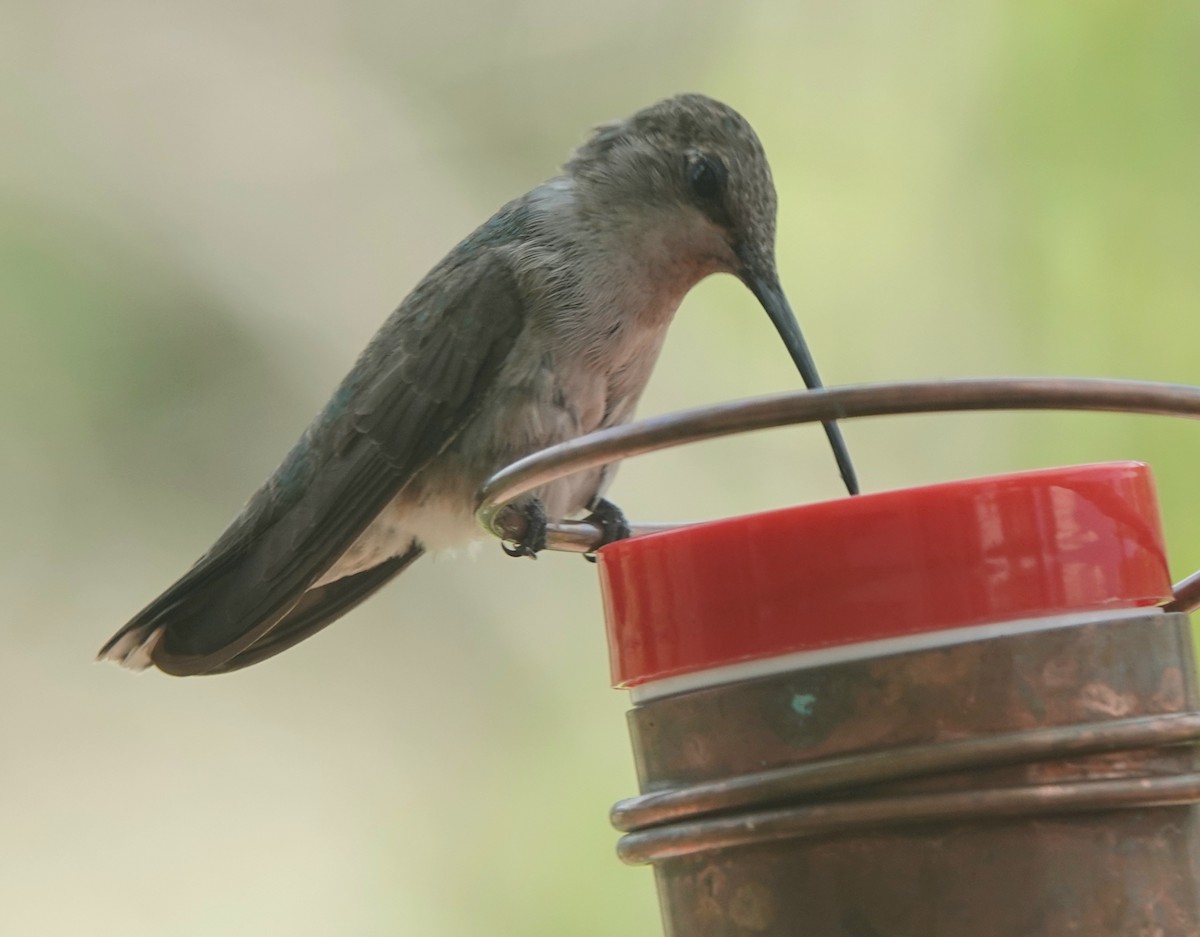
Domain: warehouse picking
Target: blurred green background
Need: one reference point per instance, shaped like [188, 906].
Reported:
[206, 208]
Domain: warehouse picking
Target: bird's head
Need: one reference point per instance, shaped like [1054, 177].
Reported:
[690, 175]
[694, 164]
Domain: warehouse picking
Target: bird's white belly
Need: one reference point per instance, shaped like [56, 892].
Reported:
[437, 524]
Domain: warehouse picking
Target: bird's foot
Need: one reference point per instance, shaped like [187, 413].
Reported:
[611, 520]
[533, 541]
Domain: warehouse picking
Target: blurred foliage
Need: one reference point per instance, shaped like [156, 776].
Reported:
[207, 208]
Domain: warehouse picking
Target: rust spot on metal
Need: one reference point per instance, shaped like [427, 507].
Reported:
[753, 907]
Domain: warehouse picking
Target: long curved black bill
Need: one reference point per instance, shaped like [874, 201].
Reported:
[770, 294]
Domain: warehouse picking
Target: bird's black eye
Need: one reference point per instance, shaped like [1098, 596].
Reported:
[706, 177]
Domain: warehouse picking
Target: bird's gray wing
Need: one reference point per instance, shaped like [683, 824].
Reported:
[421, 380]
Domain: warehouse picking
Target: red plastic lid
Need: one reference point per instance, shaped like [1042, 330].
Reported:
[883, 565]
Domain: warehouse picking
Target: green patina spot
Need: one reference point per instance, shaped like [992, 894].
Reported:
[802, 704]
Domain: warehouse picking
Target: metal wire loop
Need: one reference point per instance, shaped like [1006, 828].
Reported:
[805, 406]
[758, 827]
[841, 774]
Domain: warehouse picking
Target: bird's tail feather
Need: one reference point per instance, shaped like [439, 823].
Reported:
[141, 643]
[132, 647]
[316, 609]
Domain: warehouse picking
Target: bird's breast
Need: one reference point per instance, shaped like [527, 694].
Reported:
[580, 365]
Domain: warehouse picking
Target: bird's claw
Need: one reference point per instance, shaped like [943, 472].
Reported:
[533, 541]
[611, 520]
[519, 549]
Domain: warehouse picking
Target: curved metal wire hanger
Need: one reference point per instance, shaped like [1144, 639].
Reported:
[811, 406]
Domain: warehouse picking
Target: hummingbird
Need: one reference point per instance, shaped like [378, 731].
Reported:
[542, 325]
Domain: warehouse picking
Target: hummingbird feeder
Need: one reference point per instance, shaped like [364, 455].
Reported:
[967, 708]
